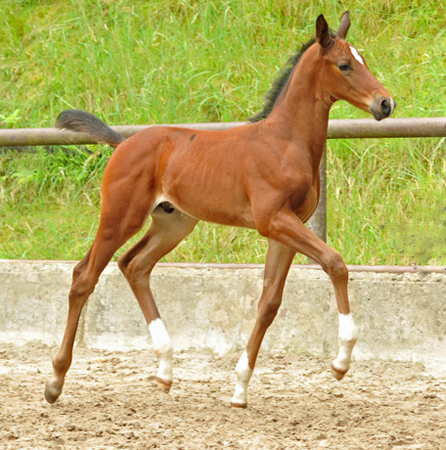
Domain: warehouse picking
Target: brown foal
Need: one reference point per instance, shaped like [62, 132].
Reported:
[263, 175]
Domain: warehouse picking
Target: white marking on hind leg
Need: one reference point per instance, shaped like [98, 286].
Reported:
[348, 334]
[162, 346]
[244, 373]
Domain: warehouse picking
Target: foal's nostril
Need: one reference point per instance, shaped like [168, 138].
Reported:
[385, 107]
[382, 107]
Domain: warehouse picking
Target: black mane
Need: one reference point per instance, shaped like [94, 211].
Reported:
[279, 84]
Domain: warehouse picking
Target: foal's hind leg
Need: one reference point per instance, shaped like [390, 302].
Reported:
[85, 277]
[165, 233]
[277, 266]
[120, 220]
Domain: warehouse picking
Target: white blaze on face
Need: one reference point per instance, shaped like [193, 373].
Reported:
[356, 55]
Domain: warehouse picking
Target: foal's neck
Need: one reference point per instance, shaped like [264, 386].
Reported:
[302, 110]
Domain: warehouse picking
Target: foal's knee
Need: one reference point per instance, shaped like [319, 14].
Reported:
[334, 266]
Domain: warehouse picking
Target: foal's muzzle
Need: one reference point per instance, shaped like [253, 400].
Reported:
[382, 107]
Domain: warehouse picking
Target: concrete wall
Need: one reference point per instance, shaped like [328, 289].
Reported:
[400, 316]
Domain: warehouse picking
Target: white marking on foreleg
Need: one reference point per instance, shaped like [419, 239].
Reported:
[348, 334]
[243, 372]
[356, 55]
[162, 346]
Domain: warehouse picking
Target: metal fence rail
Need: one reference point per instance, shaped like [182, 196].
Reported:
[337, 129]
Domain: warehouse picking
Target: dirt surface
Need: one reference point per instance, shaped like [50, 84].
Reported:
[111, 401]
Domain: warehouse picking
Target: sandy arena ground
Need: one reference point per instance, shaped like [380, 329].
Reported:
[111, 401]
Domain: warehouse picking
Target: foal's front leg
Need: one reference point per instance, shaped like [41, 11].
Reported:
[287, 235]
[287, 228]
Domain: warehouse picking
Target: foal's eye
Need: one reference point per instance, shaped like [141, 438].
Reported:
[344, 67]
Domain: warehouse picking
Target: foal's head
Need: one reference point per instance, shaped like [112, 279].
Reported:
[346, 75]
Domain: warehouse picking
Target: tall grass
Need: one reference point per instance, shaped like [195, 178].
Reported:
[194, 61]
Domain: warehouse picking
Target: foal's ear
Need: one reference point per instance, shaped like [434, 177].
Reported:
[323, 33]
[344, 26]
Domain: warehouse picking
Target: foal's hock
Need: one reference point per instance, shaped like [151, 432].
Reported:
[263, 175]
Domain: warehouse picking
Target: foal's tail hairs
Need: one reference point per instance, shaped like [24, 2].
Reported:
[83, 122]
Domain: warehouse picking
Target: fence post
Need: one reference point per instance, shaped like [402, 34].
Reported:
[318, 222]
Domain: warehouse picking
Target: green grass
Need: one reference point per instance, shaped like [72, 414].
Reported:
[201, 61]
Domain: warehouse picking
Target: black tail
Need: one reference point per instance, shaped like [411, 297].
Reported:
[83, 122]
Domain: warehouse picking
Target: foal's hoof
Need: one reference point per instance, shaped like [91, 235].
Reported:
[337, 373]
[164, 385]
[239, 405]
[50, 394]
